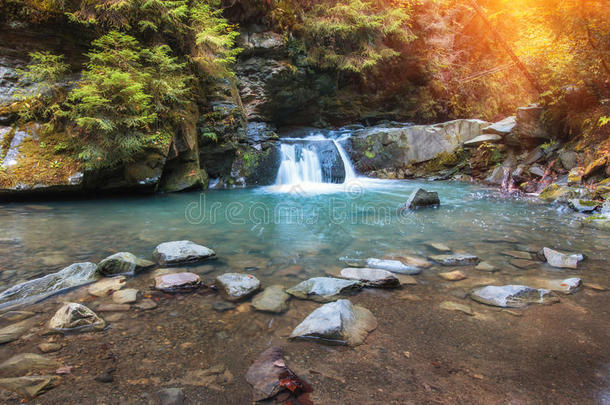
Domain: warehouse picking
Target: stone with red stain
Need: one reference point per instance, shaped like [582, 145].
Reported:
[177, 282]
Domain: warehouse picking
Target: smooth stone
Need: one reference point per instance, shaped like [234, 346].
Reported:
[237, 286]
[30, 386]
[168, 396]
[266, 373]
[482, 139]
[454, 306]
[14, 331]
[371, 277]
[34, 290]
[561, 260]
[594, 286]
[441, 247]
[126, 296]
[105, 378]
[523, 264]
[583, 205]
[115, 317]
[222, 306]
[455, 275]
[73, 317]
[455, 260]
[517, 254]
[177, 282]
[484, 266]
[395, 266]
[565, 286]
[24, 363]
[421, 198]
[502, 127]
[273, 299]
[49, 347]
[146, 304]
[16, 316]
[179, 252]
[413, 261]
[107, 286]
[113, 308]
[512, 296]
[406, 279]
[324, 289]
[123, 263]
[337, 322]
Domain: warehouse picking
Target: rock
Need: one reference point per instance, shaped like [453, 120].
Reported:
[566, 286]
[222, 306]
[105, 377]
[496, 177]
[575, 176]
[454, 306]
[237, 286]
[213, 378]
[421, 198]
[16, 316]
[266, 373]
[123, 263]
[484, 266]
[595, 166]
[273, 299]
[371, 277]
[25, 363]
[177, 282]
[168, 396]
[453, 275]
[395, 266]
[537, 171]
[324, 289]
[113, 308]
[126, 296]
[561, 260]
[517, 254]
[569, 159]
[181, 252]
[107, 286]
[30, 386]
[513, 296]
[49, 347]
[34, 290]
[406, 280]
[503, 127]
[73, 317]
[455, 260]
[583, 205]
[14, 331]
[529, 126]
[146, 304]
[481, 139]
[441, 247]
[337, 322]
[523, 264]
[595, 286]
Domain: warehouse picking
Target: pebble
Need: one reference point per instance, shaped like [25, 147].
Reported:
[49, 347]
[146, 304]
[484, 266]
[222, 306]
[453, 275]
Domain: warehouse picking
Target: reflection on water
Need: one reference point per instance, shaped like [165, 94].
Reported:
[266, 231]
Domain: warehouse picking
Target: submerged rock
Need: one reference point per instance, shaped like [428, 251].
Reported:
[177, 282]
[49, 347]
[337, 322]
[324, 289]
[107, 286]
[371, 277]
[237, 286]
[513, 296]
[73, 317]
[126, 296]
[30, 386]
[266, 373]
[123, 263]
[35, 290]
[24, 363]
[180, 252]
[484, 266]
[453, 275]
[565, 286]
[16, 316]
[395, 266]
[146, 304]
[421, 198]
[14, 331]
[441, 247]
[454, 306]
[169, 396]
[273, 299]
[583, 205]
[455, 260]
[561, 260]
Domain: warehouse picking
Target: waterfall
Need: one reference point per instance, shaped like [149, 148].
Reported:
[314, 159]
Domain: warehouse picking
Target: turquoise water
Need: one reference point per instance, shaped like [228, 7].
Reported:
[267, 231]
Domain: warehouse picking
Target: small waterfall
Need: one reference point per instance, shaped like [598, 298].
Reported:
[314, 159]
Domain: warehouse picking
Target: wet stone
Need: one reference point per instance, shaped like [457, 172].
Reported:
[168, 396]
[126, 296]
[123, 263]
[273, 299]
[422, 198]
[113, 308]
[561, 260]
[237, 286]
[324, 289]
[371, 277]
[49, 347]
[177, 282]
[523, 264]
[517, 254]
[73, 317]
[222, 306]
[513, 296]
[25, 363]
[30, 386]
[181, 252]
[484, 266]
[393, 265]
[454, 306]
[14, 331]
[453, 275]
[441, 247]
[16, 316]
[146, 304]
[455, 260]
[107, 286]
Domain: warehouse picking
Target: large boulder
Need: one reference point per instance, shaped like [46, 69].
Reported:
[337, 322]
[502, 127]
[513, 296]
[324, 289]
[529, 128]
[237, 286]
[181, 252]
[422, 198]
[122, 263]
[34, 290]
[73, 317]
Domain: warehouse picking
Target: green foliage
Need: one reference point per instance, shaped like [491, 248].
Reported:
[355, 35]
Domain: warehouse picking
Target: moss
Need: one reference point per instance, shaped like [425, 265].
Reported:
[588, 203]
[369, 154]
[6, 143]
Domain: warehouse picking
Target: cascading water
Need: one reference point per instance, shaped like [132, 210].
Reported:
[314, 160]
